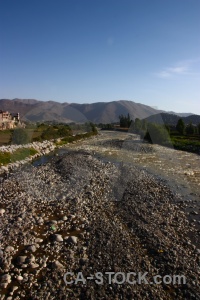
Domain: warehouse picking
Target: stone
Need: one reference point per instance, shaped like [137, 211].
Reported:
[72, 239]
[32, 248]
[38, 240]
[34, 266]
[56, 264]
[2, 211]
[6, 278]
[19, 278]
[57, 238]
[21, 259]
[9, 249]
[4, 168]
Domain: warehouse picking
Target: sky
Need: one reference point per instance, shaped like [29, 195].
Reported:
[86, 51]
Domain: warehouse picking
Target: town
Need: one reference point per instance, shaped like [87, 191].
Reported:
[9, 120]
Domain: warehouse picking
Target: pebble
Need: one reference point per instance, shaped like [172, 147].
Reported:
[57, 238]
[31, 248]
[19, 278]
[9, 249]
[6, 278]
[145, 230]
[72, 239]
[2, 211]
[57, 264]
[21, 259]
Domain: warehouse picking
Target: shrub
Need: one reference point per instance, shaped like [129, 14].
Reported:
[20, 136]
[157, 134]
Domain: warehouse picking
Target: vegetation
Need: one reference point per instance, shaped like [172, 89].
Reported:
[180, 126]
[20, 136]
[5, 137]
[62, 133]
[190, 129]
[77, 137]
[125, 121]
[189, 143]
[157, 134]
[106, 126]
[19, 154]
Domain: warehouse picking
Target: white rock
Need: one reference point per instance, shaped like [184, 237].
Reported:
[19, 278]
[2, 211]
[6, 278]
[57, 264]
[73, 239]
[58, 237]
[9, 249]
[34, 266]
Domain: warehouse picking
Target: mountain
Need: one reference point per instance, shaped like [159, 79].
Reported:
[108, 112]
[172, 119]
[101, 112]
[180, 114]
[34, 110]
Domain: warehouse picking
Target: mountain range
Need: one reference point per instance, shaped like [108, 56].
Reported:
[100, 112]
[172, 119]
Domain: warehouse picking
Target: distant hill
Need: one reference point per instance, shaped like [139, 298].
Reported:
[34, 110]
[172, 119]
[100, 112]
[180, 114]
[108, 112]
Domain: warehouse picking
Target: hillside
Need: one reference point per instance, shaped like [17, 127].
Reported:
[171, 119]
[101, 112]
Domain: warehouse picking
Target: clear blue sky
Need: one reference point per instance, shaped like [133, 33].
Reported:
[81, 51]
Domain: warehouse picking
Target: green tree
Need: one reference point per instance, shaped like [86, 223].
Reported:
[144, 125]
[157, 134]
[49, 133]
[189, 129]
[93, 127]
[20, 136]
[180, 126]
[138, 125]
[128, 120]
[198, 126]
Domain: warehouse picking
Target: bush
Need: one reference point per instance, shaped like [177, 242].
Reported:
[180, 127]
[190, 129]
[20, 136]
[157, 134]
[19, 154]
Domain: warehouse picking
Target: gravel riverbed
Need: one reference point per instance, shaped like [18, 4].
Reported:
[79, 213]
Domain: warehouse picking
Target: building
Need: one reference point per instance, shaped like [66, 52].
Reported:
[8, 120]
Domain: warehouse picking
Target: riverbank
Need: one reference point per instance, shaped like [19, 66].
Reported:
[78, 214]
[13, 156]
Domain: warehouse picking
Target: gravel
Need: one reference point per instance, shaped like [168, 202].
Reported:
[80, 214]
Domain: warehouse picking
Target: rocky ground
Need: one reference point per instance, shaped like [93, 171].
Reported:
[78, 213]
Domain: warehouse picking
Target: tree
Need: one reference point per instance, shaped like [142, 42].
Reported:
[144, 125]
[93, 128]
[125, 122]
[20, 136]
[157, 134]
[138, 125]
[180, 126]
[198, 126]
[190, 129]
